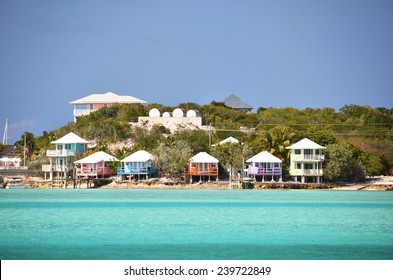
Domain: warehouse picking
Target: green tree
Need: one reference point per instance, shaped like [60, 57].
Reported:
[232, 154]
[322, 137]
[198, 140]
[343, 162]
[144, 139]
[130, 112]
[171, 158]
[374, 165]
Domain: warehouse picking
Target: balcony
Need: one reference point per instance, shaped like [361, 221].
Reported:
[307, 172]
[81, 112]
[308, 157]
[264, 171]
[48, 167]
[59, 153]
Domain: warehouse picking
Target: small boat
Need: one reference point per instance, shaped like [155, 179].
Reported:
[15, 183]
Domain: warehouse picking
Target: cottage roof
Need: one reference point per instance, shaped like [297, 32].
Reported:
[109, 98]
[264, 157]
[234, 102]
[305, 144]
[230, 139]
[70, 138]
[8, 151]
[204, 157]
[97, 157]
[139, 156]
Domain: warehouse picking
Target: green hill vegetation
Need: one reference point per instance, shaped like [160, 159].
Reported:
[359, 139]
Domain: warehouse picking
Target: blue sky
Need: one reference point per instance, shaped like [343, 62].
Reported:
[278, 53]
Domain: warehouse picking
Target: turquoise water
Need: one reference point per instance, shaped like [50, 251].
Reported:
[195, 224]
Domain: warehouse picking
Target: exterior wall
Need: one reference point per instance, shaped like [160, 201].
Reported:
[196, 121]
[66, 150]
[91, 107]
[93, 170]
[136, 168]
[201, 170]
[307, 169]
[265, 168]
[244, 110]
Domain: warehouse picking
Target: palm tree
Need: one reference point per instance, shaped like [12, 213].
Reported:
[276, 140]
[27, 145]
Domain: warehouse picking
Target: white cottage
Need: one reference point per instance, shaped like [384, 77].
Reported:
[230, 139]
[306, 161]
[265, 166]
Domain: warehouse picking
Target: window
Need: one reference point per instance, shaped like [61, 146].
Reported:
[297, 152]
[308, 166]
[91, 107]
[213, 165]
[298, 166]
[68, 146]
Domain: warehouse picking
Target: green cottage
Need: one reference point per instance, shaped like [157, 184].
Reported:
[306, 161]
[61, 159]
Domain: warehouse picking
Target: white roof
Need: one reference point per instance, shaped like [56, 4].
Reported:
[230, 139]
[264, 157]
[70, 138]
[97, 157]
[305, 144]
[139, 156]
[108, 97]
[203, 157]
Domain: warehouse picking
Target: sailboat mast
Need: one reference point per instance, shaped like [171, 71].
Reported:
[24, 152]
[5, 135]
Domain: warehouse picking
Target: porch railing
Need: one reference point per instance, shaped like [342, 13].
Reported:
[308, 157]
[307, 172]
[59, 153]
[264, 171]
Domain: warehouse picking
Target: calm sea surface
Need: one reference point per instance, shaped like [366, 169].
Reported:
[195, 224]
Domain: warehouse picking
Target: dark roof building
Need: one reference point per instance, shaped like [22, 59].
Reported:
[235, 103]
[9, 151]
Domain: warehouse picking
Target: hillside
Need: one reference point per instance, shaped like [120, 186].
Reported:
[360, 135]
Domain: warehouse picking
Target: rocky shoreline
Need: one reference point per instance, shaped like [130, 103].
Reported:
[383, 183]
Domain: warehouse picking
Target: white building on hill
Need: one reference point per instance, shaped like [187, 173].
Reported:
[94, 102]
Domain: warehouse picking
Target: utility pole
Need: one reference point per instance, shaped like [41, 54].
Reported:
[210, 135]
